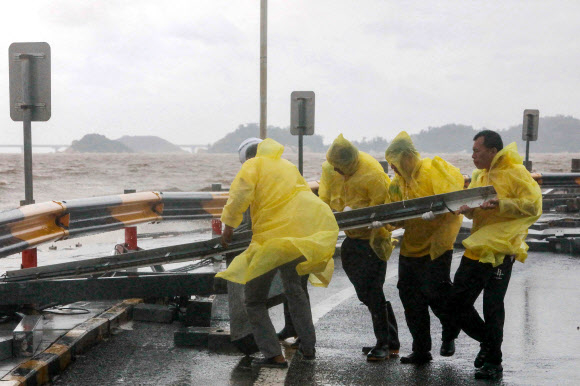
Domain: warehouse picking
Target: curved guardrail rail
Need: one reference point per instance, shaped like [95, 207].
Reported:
[35, 224]
[32, 225]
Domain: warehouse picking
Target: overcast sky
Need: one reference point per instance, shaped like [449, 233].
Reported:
[188, 70]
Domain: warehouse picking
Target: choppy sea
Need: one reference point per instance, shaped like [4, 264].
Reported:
[62, 176]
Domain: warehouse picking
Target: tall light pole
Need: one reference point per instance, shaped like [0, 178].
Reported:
[263, 67]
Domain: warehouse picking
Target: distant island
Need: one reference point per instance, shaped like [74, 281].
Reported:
[97, 143]
[557, 134]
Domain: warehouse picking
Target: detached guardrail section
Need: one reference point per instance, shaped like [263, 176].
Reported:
[32, 225]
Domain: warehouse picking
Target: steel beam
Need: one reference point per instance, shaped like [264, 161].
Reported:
[404, 210]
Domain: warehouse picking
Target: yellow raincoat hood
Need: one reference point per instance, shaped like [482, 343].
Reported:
[288, 220]
[402, 154]
[420, 178]
[502, 231]
[343, 155]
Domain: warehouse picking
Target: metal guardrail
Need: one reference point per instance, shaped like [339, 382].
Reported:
[549, 180]
[356, 218]
[32, 225]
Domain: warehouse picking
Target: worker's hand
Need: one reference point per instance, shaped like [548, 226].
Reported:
[347, 209]
[227, 235]
[490, 204]
[376, 225]
[428, 216]
[463, 209]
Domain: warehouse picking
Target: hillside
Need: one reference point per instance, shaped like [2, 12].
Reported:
[230, 143]
[97, 143]
[556, 134]
[312, 143]
[149, 144]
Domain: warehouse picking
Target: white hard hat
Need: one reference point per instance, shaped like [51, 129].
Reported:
[244, 147]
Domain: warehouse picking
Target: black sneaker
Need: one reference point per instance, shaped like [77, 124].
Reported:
[417, 358]
[286, 333]
[489, 371]
[269, 362]
[447, 348]
[393, 352]
[480, 358]
[378, 353]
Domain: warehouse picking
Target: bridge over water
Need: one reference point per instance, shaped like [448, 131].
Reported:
[56, 148]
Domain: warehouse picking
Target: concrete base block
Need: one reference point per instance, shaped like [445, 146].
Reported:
[539, 245]
[153, 313]
[6, 348]
[213, 338]
[569, 245]
[219, 341]
[198, 312]
[27, 336]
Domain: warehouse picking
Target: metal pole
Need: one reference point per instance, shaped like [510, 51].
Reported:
[300, 155]
[527, 151]
[29, 256]
[263, 67]
[301, 128]
[26, 123]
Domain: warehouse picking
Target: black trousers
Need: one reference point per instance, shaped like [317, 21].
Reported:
[367, 274]
[471, 278]
[425, 283]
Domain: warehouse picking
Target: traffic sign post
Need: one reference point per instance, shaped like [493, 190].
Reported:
[530, 132]
[301, 119]
[29, 68]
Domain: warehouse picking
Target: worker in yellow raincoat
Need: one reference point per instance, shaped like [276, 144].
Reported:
[498, 234]
[364, 252]
[330, 191]
[293, 232]
[427, 245]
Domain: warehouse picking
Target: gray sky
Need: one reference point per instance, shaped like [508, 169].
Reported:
[188, 70]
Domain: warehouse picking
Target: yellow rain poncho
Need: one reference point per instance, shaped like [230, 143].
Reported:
[419, 178]
[365, 184]
[288, 220]
[331, 187]
[502, 231]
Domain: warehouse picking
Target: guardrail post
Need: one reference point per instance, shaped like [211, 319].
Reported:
[131, 232]
[575, 165]
[216, 229]
[216, 223]
[29, 259]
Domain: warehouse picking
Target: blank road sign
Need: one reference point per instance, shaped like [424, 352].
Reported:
[29, 68]
[530, 125]
[302, 113]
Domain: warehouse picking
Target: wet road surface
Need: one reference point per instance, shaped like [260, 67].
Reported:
[541, 341]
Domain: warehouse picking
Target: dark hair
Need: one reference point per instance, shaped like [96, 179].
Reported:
[491, 139]
[251, 151]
